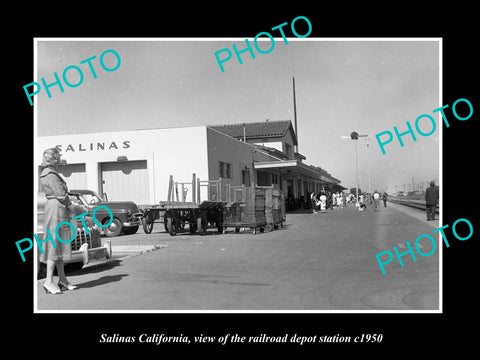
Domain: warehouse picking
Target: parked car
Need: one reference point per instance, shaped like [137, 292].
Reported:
[85, 247]
[126, 216]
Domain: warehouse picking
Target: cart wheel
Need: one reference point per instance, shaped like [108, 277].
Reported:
[219, 227]
[219, 219]
[147, 225]
[171, 228]
[192, 227]
[202, 224]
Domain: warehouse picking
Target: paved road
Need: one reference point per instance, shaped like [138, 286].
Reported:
[317, 262]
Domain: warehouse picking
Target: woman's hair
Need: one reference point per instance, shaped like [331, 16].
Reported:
[50, 157]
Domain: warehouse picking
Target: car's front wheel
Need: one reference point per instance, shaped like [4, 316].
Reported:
[114, 229]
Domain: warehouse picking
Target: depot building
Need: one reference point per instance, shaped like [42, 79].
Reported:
[136, 165]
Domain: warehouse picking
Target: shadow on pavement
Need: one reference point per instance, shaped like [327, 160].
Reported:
[101, 281]
[95, 268]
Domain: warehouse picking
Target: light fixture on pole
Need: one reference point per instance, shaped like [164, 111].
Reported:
[368, 169]
[354, 136]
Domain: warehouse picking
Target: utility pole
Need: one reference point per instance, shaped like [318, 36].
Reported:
[295, 114]
[354, 136]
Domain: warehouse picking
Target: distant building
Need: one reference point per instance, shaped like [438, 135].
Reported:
[136, 165]
[287, 169]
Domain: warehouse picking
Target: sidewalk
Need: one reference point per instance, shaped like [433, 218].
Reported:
[415, 213]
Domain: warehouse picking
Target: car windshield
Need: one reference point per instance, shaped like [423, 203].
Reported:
[91, 198]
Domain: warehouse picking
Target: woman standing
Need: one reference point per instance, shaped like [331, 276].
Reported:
[57, 209]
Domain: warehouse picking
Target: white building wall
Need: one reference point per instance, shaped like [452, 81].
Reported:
[177, 151]
[241, 155]
[279, 143]
[288, 139]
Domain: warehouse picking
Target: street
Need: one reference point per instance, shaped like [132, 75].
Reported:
[316, 262]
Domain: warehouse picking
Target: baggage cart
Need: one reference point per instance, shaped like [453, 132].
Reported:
[176, 212]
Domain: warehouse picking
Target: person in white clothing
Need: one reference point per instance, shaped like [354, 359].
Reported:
[376, 199]
[339, 200]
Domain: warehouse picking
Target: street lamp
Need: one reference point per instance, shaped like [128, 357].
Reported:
[354, 136]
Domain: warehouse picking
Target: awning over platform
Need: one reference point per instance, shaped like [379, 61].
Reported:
[297, 168]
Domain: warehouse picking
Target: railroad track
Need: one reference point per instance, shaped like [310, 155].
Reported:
[416, 203]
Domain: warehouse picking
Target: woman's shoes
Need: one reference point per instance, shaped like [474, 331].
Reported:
[65, 287]
[51, 290]
[62, 287]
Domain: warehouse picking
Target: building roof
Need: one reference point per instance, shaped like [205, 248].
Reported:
[264, 129]
[269, 129]
[272, 151]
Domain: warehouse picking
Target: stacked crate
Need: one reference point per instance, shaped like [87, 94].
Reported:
[274, 208]
[248, 212]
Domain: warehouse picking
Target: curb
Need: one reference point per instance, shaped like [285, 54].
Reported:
[134, 249]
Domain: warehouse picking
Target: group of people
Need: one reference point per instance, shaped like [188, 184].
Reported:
[375, 199]
[325, 199]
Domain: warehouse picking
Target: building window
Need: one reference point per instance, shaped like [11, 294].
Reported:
[246, 177]
[225, 170]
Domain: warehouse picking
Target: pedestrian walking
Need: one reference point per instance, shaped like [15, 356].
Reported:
[376, 199]
[361, 204]
[322, 202]
[328, 194]
[339, 200]
[313, 201]
[384, 198]
[58, 209]
[431, 199]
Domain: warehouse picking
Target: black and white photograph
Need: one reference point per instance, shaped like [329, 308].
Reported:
[221, 180]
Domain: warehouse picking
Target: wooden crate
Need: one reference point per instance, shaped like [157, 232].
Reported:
[274, 207]
[248, 213]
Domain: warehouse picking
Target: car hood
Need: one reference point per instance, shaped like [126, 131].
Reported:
[117, 205]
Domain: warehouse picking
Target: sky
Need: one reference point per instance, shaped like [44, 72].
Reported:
[342, 86]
